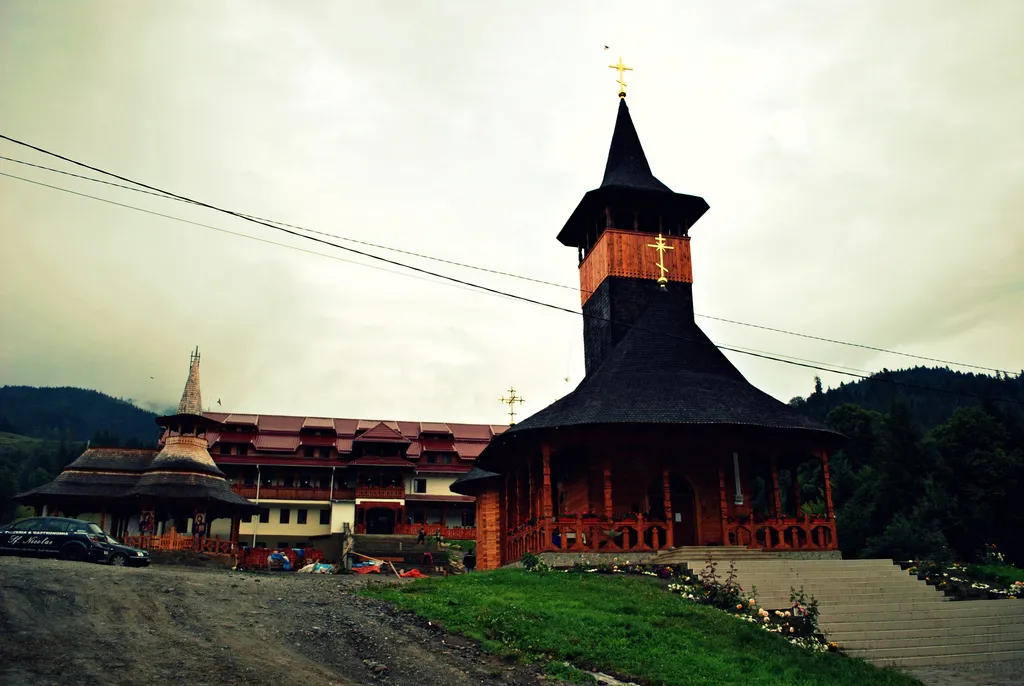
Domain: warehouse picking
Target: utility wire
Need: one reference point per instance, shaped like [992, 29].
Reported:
[761, 355]
[168, 196]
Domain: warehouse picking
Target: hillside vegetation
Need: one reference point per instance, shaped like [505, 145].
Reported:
[74, 414]
[925, 473]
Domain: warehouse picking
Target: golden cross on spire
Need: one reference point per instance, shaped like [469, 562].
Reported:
[661, 246]
[511, 401]
[622, 68]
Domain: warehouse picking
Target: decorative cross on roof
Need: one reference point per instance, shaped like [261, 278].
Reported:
[661, 246]
[511, 401]
[622, 68]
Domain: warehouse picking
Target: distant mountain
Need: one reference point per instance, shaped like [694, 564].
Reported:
[75, 414]
[931, 394]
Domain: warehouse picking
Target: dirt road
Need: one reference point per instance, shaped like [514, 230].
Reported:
[79, 623]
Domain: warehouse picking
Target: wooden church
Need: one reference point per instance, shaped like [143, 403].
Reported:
[664, 443]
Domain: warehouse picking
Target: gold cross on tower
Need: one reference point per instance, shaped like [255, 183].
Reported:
[622, 69]
[511, 401]
[661, 246]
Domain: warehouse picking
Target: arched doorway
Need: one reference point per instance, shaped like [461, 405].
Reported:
[380, 520]
[684, 507]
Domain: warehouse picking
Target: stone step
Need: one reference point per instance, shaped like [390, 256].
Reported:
[852, 638]
[855, 626]
[942, 610]
[948, 639]
[953, 658]
[883, 654]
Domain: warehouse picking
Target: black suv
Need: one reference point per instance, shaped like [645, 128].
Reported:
[69, 539]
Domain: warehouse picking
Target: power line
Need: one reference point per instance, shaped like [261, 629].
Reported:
[263, 220]
[234, 233]
[762, 355]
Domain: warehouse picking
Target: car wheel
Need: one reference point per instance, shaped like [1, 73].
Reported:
[118, 559]
[73, 552]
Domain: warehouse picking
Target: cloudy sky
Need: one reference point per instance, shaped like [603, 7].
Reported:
[864, 164]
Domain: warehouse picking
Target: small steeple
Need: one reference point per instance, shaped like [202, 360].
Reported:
[191, 399]
[627, 165]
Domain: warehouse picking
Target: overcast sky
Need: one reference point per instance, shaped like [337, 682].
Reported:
[864, 164]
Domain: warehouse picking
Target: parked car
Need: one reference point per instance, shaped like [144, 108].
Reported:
[69, 539]
[125, 555]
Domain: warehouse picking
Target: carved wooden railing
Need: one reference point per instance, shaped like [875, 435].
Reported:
[454, 533]
[809, 532]
[172, 540]
[284, 492]
[387, 492]
[586, 534]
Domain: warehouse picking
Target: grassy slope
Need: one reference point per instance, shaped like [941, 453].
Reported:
[17, 441]
[623, 625]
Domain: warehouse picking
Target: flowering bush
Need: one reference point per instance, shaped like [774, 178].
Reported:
[971, 582]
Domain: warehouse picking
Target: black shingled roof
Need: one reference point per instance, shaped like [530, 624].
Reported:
[666, 371]
[628, 180]
[468, 482]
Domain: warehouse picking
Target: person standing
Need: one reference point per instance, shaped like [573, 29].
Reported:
[469, 560]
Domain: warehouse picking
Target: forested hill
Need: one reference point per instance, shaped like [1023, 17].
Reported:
[75, 414]
[929, 408]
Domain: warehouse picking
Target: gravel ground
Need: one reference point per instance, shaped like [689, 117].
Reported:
[1007, 673]
[80, 623]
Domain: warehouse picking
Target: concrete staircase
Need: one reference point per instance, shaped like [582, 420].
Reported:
[873, 609]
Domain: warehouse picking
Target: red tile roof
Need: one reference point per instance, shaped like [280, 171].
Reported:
[318, 423]
[277, 443]
[469, 451]
[284, 431]
[438, 445]
[282, 424]
[383, 432]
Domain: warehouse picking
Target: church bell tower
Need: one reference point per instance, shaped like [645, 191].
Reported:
[632, 238]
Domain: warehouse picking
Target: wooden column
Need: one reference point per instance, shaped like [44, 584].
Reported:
[796, 488]
[608, 504]
[236, 523]
[546, 495]
[529, 488]
[775, 487]
[667, 492]
[828, 484]
[488, 533]
[725, 504]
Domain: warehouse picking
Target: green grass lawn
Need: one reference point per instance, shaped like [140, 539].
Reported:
[624, 625]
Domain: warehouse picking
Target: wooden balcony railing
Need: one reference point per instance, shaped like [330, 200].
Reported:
[286, 492]
[808, 532]
[386, 492]
[451, 533]
[175, 541]
[586, 534]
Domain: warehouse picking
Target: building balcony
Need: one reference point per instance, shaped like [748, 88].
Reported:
[286, 492]
[382, 492]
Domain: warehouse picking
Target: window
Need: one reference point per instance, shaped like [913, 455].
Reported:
[260, 544]
[325, 452]
[247, 519]
[431, 458]
[419, 485]
[243, 450]
[286, 515]
[309, 452]
[264, 515]
[282, 545]
[446, 459]
[300, 517]
[225, 449]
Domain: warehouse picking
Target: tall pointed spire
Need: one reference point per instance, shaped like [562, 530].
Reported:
[627, 165]
[191, 399]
